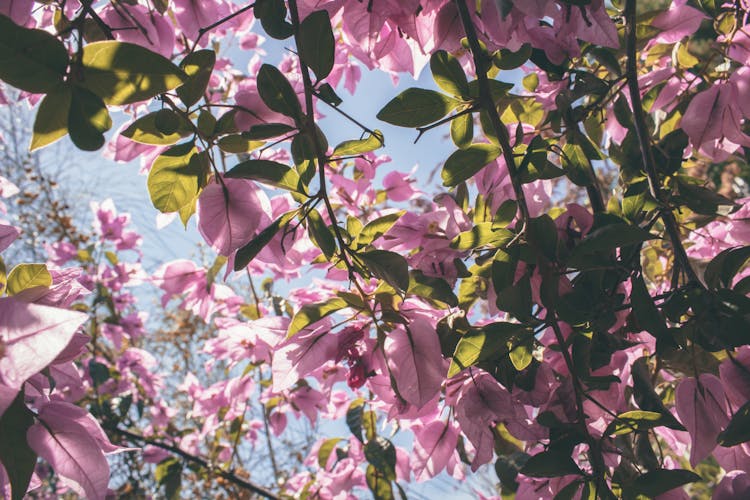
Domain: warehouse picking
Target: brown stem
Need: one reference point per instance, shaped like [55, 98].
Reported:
[229, 476]
[647, 154]
[481, 62]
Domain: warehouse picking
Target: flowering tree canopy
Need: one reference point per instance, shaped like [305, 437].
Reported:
[571, 307]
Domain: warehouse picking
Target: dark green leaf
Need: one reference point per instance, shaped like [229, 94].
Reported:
[388, 266]
[30, 60]
[658, 482]
[272, 15]
[576, 164]
[506, 59]
[198, 67]
[606, 239]
[489, 343]
[267, 172]
[448, 73]
[168, 474]
[321, 234]
[380, 486]
[480, 235]
[432, 288]
[316, 37]
[463, 164]
[16, 456]
[738, 430]
[382, 455]
[277, 93]
[88, 119]
[705, 201]
[416, 108]
[354, 418]
[247, 253]
[646, 313]
[265, 131]
[124, 73]
[724, 267]
[238, 143]
[542, 234]
[328, 95]
[552, 463]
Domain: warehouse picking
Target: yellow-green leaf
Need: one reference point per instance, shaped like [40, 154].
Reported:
[51, 122]
[310, 313]
[124, 73]
[175, 177]
[25, 276]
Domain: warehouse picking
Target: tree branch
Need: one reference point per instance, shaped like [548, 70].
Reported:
[229, 476]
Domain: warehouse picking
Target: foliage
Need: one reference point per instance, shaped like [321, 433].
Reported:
[572, 307]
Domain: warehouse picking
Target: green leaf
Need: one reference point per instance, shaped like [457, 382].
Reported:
[320, 234]
[542, 234]
[380, 486]
[448, 73]
[486, 344]
[272, 15]
[277, 93]
[267, 172]
[354, 418]
[521, 356]
[163, 127]
[738, 430]
[552, 463]
[51, 122]
[465, 163]
[124, 73]
[377, 228]
[507, 60]
[417, 107]
[176, 176]
[26, 276]
[325, 451]
[428, 287]
[316, 38]
[88, 119]
[16, 456]
[328, 95]
[265, 131]
[705, 201]
[482, 234]
[310, 313]
[198, 67]
[360, 146]
[168, 474]
[646, 313]
[247, 253]
[576, 164]
[462, 130]
[381, 453]
[724, 267]
[31, 60]
[238, 143]
[606, 239]
[636, 420]
[388, 266]
[660, 481]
